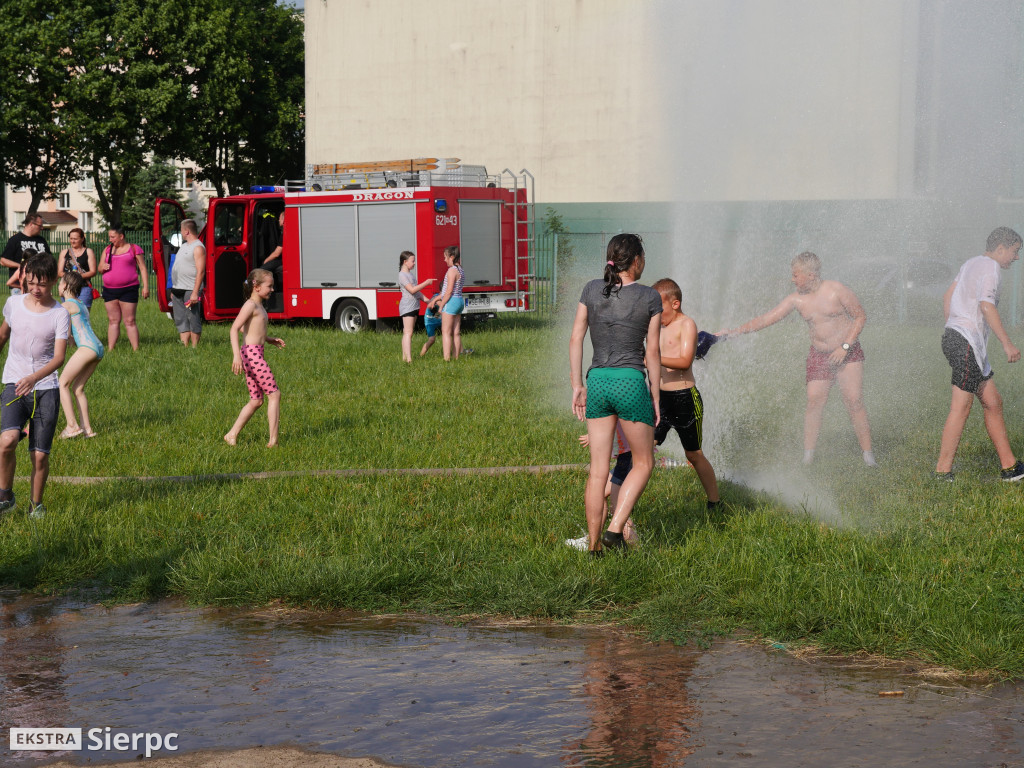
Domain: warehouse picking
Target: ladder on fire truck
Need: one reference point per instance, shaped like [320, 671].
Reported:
[523, 214]
[377, 174]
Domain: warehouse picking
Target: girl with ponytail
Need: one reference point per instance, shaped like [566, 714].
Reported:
[622, 317]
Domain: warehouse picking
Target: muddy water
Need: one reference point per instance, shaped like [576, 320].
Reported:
[414, 692]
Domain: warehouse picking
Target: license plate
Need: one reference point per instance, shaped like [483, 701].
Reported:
[477, 301]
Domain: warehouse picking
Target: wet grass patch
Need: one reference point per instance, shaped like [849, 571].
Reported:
[899, 565]
[947, 591]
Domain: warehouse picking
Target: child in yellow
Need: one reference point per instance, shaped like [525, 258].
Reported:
[681, 406]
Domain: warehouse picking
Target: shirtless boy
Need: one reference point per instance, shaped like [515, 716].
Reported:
[835, 319]
[681, 406]
[251, 323]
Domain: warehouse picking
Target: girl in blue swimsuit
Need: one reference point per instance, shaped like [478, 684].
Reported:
[83, 362]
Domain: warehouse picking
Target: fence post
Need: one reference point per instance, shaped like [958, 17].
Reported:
[554, 276]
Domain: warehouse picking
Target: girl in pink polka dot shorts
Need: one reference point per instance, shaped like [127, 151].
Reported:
[251, 323]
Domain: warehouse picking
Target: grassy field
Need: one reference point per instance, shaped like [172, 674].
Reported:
[898, 565]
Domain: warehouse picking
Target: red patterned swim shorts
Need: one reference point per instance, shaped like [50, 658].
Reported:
[258, 376]
[819, 368]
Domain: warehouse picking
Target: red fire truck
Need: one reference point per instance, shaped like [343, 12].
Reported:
[343, 232]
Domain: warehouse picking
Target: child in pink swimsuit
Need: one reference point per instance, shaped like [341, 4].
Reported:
[252, 324]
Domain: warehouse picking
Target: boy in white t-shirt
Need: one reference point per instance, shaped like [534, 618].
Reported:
[970, 307]
[37, 327]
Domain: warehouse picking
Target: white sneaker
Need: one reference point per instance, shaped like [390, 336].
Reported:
[583, 542]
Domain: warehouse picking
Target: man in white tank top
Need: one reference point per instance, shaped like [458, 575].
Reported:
[186, 283]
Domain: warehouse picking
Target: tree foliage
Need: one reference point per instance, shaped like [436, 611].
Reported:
[248, 90]
[128, 81]
[157, 179]
[36, 149]
[103, 85]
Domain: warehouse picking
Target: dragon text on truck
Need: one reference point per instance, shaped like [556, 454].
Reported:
[344, 229]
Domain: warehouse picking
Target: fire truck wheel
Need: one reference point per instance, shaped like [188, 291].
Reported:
[351, 316]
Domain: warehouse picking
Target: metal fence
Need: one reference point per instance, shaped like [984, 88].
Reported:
[563, 260]
[59, 240]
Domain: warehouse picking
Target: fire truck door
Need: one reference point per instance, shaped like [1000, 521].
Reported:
[385, 230]
[226, 263]
[167, 218]
[480, 241]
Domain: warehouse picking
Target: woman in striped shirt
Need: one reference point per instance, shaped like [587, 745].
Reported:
[451, 302]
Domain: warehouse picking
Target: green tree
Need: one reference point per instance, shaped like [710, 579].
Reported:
[128, 65]
[36, 149]
[158, 179]
[247, 90]
[103, 84]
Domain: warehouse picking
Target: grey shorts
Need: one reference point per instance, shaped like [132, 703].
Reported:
[186, 319]
[966, 373]
[39, 408]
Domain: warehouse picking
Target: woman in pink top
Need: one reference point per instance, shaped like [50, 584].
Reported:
[121, 266]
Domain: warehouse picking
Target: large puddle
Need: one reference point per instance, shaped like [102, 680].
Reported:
[415, 692]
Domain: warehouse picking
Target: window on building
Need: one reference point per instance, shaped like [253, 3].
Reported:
[19, 189]
[86, 184]
[186, 178]
[63, 201]
[85, 220]
[208, 185]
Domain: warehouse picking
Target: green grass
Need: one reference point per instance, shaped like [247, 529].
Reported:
[900, 566]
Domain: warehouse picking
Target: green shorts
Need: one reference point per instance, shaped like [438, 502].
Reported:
[621, 392]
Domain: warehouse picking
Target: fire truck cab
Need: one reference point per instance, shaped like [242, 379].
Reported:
[342, 235]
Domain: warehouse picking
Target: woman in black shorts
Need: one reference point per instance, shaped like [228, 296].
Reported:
[409, 304]
[122, 267]
[621, 316]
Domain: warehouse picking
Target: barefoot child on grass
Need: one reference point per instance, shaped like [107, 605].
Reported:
[252, 324]
[83, 362]
[681, 406]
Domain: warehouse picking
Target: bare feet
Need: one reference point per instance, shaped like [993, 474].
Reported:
[272, 444]
[230, 439]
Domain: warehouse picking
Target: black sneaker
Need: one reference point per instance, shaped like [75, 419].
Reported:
[613, 541]
[1013, 474]
[713, 505]
[943, 477]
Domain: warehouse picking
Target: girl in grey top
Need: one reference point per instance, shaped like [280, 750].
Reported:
[624, 320]
[409, 306]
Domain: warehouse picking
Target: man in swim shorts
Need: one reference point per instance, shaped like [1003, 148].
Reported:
[970, 306]
[835, 319]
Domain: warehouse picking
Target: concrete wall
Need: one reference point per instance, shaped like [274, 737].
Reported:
[624, 100]
[562, 88]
